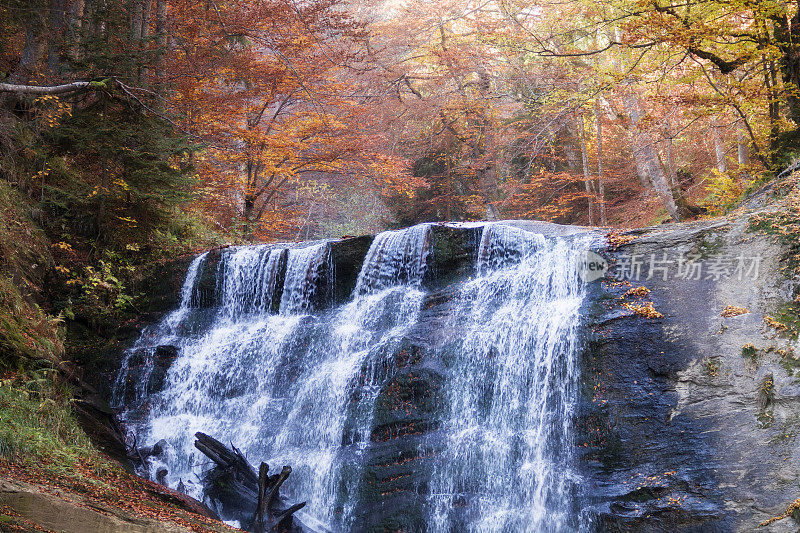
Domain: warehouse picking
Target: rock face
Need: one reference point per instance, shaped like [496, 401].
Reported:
[43, 508]
[682, 426]
[682, 429]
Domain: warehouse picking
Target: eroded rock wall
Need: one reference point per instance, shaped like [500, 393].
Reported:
[682, 428]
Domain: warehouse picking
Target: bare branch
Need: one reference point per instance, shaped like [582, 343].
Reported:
[45, 90]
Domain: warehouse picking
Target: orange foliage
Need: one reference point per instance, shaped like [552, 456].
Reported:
[265, 85]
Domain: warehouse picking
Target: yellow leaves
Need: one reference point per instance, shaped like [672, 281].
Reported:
[723, 190]
[644, 309]
[771, 322]
[131, 222]
[637, 292]
[51, 110]
[63, 246]
[732, 310]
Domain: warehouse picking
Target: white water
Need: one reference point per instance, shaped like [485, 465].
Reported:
[505, 464]
[396, 258]
[298, 388]
[251, 275]
[162, 333]
[279, 386]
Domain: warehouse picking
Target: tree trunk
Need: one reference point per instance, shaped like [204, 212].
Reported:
[719, 146]
[31, 53]
[74, 26]
[135, 30]
[787, 36]
[647, 159]
[587, 180]
[56, 37]
[161, 43]
[240, 489]
[672, 166]
[44, 90]
[741, 147]
[773, 109]
[600, 186]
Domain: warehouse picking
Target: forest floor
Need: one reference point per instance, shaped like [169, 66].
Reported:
[97, 496]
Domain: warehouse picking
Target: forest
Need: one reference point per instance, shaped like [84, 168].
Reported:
[133, 132]
[278, 120]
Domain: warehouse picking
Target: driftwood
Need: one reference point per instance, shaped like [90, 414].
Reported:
[242, 493]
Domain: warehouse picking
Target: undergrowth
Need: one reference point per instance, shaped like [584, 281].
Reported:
[37, 427]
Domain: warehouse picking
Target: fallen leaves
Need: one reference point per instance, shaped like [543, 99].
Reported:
[105, 484]
[618, 238]
[637, 292]
[771, 322]
[644, 309]
[732, 310]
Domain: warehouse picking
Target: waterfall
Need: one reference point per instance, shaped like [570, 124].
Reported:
[292, 380]
[249, 281]
[160, 334]
[512, 390]
[306, 268]
[396, 258]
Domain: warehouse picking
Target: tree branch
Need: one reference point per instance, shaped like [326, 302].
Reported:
[45, 90]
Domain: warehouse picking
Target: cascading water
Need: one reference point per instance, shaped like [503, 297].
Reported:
[396, 258]
[280, 385]
[249, 283]
[161, 334]
[505, 463]
[297, 384]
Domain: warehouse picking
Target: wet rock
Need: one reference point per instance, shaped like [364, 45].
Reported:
[677, 430]
[159, 448]
[453, 254]
[206, 293]
[156, 379]
[165, 355]
[347, 257]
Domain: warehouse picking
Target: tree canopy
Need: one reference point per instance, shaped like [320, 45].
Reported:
[275, 119]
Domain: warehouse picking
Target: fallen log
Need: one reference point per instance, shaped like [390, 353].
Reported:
[240, 493]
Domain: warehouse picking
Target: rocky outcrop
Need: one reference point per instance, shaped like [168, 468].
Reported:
[684, 428]
[689, 413]
[47, 509]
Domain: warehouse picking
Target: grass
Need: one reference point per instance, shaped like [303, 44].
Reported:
[750, 353]
[36, 425]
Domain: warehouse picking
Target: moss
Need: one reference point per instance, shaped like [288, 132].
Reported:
[711, 367]
[749, 351]
[787, 315]
[710, 245]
